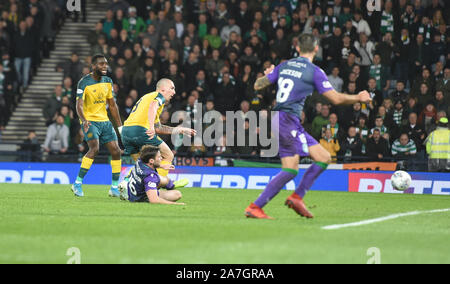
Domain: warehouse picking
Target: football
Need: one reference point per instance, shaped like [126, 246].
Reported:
[401, 180]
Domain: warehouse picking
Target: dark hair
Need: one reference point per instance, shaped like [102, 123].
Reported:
[148, 152]
[96, 57]
[307, 43]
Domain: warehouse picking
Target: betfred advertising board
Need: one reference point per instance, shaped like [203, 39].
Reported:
[422, 183]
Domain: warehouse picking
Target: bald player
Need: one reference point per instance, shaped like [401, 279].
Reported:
[143, 125]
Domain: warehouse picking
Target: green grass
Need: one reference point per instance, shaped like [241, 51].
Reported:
[38, 223]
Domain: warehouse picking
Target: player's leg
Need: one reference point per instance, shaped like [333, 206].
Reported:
[86, 164]
[116, 167]
[129, 141]
[170, 195]
[289, 172]
[167, 156]
[109, 139]
[321, 159]
[92, 139]
[167, 183]
[289, 150]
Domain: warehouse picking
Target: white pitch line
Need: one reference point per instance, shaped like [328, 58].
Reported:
[376, 220]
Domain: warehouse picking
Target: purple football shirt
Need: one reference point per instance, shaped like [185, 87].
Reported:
[297, 79]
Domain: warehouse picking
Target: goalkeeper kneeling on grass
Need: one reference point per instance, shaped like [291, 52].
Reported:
[144, 184]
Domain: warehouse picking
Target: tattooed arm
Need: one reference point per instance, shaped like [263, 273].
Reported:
[163, 129]
[167, 130]
[264, 82]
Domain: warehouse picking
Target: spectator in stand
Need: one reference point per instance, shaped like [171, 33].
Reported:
[336, 130]
[377, 147]
[247, 150]
[363, 131]
[428, 117]
[440, 103]
[444, 84]
[404, 151]
[93, 35]
[146, 85]
[197, 149]
[228, 29]
[225, 97]
[412, 106]
[387, 113]
[320, 121]
[330, 22]
[399, 93]
[73, 68]
[351, 145]
[366, 49]
[402, 56]
[379, 125]
[419, 57]
[399, 115]
[360, 24]
[335, 80]
[415, 131]
[424, 78]
[52, 105]
[57, 139]
[30, 148]
[403, 147]
[330, 143]
[127, 108]
[377, 96]
[379, 73]
[351, 115]
[23, 51]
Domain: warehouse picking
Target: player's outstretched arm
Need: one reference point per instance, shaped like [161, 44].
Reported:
[167, 130]
[114, 112]
[337, 98]
[155, 199]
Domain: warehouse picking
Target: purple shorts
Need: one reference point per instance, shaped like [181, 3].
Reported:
[293, 139]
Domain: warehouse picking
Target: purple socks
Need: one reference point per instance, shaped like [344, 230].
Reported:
[274, 186]
[313, 172]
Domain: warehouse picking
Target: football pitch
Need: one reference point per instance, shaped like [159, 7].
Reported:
[41, 223]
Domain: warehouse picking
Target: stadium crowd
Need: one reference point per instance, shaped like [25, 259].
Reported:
[27, 32]
[215, 50]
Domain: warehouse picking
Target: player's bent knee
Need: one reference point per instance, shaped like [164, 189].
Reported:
[177, 195]
[94, 151]
[327, 158]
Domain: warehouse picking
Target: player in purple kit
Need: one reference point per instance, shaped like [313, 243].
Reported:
[145, 183]
[297, 79]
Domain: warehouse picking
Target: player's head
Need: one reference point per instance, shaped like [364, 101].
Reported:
[151, 156]
[99, 65]
[307, 44]
[166, 87]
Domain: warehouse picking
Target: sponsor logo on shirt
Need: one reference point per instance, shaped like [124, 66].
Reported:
[327, 85]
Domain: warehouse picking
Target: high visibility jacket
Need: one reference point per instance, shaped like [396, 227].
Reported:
[438, 144]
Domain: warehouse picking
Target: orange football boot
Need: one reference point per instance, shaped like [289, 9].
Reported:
[253, 211]
[296, 202]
